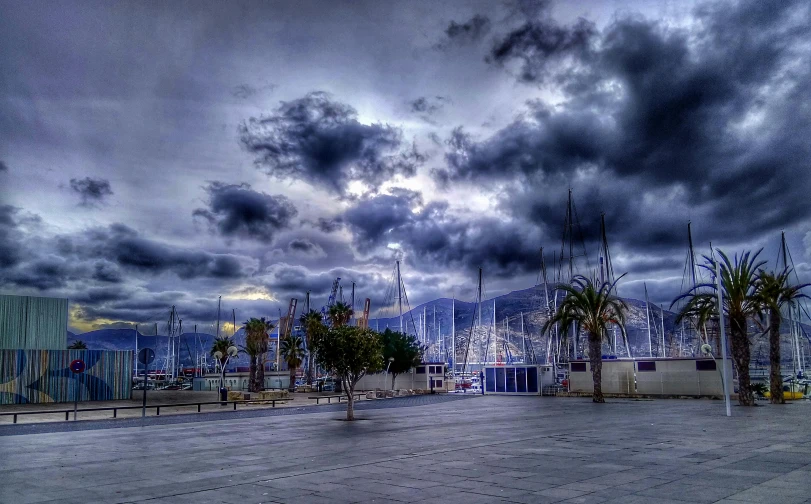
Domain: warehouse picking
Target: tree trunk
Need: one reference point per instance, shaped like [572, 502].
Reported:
[252, 374]
[393, 377]
[291, 387]
[349, 388]
[260, 370]
[775, 377]
[596, 361]
[741, 354]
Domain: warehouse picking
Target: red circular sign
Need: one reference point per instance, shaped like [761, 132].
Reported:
[77, 366]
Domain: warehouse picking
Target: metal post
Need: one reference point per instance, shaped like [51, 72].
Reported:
[146, 381]
[75, 398]
[725, 376]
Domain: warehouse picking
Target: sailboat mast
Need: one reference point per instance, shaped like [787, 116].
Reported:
[692, 253]
[546, 305]
[647, 317]
[219, 301]
[523, 339]
[453, 333]
[662, 311]
[400, 295]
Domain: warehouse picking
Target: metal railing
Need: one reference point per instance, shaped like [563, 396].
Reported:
[157, 407]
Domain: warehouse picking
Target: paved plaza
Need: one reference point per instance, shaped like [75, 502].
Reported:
[424, 449]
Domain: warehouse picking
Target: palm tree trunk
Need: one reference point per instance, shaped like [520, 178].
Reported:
[596, 361]
[775, 378]
[252, 375]
[741, 354]
[260, 372]
[291, 387]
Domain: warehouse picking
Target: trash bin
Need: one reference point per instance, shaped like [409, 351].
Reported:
[223, 396]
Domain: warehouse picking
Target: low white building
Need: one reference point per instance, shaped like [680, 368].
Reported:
[426, 376]
[698, 377]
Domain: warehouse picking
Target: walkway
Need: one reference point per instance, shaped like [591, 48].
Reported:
[469, 450]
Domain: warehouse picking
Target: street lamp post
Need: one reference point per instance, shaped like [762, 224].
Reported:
[231, 352]
[385, 376]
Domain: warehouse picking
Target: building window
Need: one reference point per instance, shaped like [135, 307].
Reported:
[578, 367]
[705, 365]
[420, 369]
[646, 366]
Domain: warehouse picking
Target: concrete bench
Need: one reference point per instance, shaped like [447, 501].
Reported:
[330, 398]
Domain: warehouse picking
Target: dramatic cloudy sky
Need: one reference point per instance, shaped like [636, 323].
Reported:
[165, 153]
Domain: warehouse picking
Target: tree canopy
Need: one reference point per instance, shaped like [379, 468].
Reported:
[404, 350]
[350, 353]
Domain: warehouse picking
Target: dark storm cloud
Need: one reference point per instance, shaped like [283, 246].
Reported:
[544, 44]
[438, 239]
[657, 124]
[104, 255]
[321, 141]
[107, 272]
[428, 105]
[10, 250]
[3, 167]
[91, 191]
[305, 246]
[470, 31]
[239, 211]
[329, 225]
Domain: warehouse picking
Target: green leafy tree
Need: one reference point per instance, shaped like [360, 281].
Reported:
[591, 309]
[739, 285]
[349, 353]
[293, 352]
[256, 347]
[314, 329]
[403, 351]
[339, 314]
[77, 345]
[772, 293]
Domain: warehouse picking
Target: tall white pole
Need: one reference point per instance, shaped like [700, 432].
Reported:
[662, 310]
[453, 333]
[136, 351]
[725, 376]
[524, 339]
[495, 334]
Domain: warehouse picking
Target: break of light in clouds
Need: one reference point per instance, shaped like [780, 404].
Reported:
[154, 153]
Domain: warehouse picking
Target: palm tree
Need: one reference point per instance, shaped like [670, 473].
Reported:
[339, 314]
[77, 345]
[293, 353]
[313, 329]
[738, 284]
[702, 311]
[591, 309]
[773, 292]
[221, 344]
[256, 346]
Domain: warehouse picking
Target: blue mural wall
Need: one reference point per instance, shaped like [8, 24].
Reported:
[43, 376]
